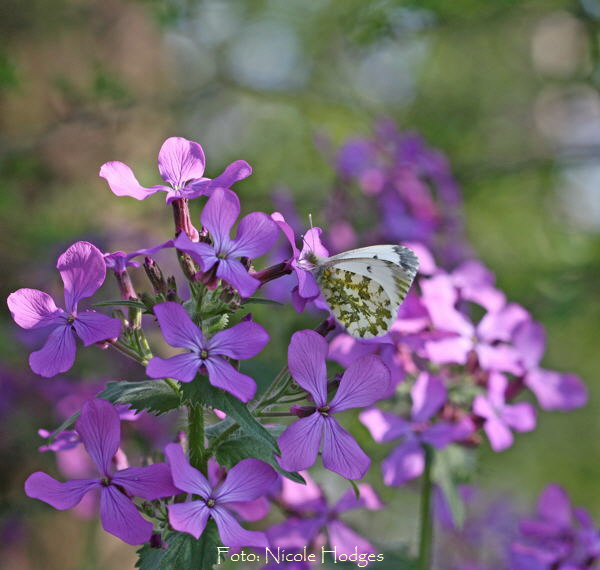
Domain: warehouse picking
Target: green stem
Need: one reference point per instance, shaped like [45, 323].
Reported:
[197, 451]
[119, 346]
[426, 530]
[274, 414]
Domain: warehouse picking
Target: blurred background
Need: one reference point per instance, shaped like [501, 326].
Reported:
[509, 91]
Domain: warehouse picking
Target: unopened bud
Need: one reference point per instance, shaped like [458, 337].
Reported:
[155, 275]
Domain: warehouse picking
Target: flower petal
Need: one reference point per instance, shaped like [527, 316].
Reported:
[246, 481]
[244, 340]
[100, 430]
[554, 506]
[122, 181]
[202, 253]
[449, 350]
[557, 391]
[520, 417]
[364, 382]
[499, 325]
[498, 433]
[312, 243]
[189, 517]
[384, 426]
[529, 339]
[177, 327]
[180, 160]
[406, 462]
[346, 541]
[368, 499]
[306, 360]
[341, 453]
[219, 215]
[236, 171]
[251, 511]
[235, 274]
[256, 234]
[186, 477]
[83, 271]
[300, 443]
[93, 327]
[59, 495]
[151, 482]
[288, 232]
[33, 309]
[428, 396]
[182, 367]
[223, 375]
[232, 534]
[57, 355]
[119, 516]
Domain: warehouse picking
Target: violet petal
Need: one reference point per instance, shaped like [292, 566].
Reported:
[151, 482]
[92, 327]
[306, 360]
[246, 481]
[364, 382]
[33, 309]
[119, 516]
[57, 354]
[233, 535]
[100, 430]
[300, 443]
[83, 271]
[59, 495]
[189, 517]
[341, 453]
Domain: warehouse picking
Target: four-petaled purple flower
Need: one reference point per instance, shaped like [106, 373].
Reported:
[560, 537]
[499, 416]
[83, 270]
[364, 382]
[310, 516]
[307, 288]
[248, 480]
[256, 234]
[407, 461]
[181, 165]
[100, 432]
[244, 340]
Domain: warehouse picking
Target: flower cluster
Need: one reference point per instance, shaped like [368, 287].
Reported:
[457, 362]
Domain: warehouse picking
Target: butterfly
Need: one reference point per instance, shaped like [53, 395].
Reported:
[364, 287]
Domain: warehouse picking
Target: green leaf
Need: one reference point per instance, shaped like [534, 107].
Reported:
[200, 391]
[354, 488]
[183, 551]
[136, 304]
[62, 427]
[233, 450]
[155, 396]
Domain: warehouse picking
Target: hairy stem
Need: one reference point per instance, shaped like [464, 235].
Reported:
[426, 530]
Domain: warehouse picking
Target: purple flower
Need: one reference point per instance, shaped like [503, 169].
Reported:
[310, 516]
[553, 390]
[499, 416]
[440, 298]
[407, 461]
[181, 165]
[118, 261]
[98, 427]
[364, 382]
[83, 271]
[247, 481]
[244, 340]
[307, 289]
[256, 234]
[560, 536]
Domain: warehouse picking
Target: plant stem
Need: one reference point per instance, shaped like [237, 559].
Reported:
[426, 530]
[128, 352]
[198, 455]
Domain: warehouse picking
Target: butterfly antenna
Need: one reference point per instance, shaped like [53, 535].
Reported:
[310, 221]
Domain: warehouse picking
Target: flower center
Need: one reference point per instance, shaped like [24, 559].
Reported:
[324, 411]
[210, 503]
[204, 354]
[71, 319]
[105, 482]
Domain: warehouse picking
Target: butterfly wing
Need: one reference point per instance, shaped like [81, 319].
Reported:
[364, 287]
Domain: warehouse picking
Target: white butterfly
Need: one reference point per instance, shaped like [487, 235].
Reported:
[365, 287]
